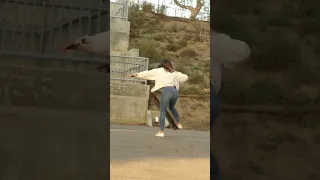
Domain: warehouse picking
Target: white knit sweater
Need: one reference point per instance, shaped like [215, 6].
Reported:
[163, 78]
[225, 52]
[98, 43]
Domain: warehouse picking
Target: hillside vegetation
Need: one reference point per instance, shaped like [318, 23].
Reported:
[185, 43]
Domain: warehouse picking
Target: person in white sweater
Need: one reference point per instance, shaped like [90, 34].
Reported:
[98, 43]
[168, 80]
[224, 52]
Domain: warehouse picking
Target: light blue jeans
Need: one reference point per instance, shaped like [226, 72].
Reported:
[168, 98]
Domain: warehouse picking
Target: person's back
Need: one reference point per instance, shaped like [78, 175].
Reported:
[163, 78]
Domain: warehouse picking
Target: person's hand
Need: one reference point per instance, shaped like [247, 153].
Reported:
[71, 46]
[74, 45]
[133, 75]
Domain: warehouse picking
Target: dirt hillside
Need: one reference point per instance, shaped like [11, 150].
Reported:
[187, 45]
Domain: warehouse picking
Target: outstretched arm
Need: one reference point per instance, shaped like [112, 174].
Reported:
[147, 75]
[98, 43]
[181, 77]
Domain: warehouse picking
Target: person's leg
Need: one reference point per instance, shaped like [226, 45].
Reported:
[172, 103]
[214, 113]
[164, 102]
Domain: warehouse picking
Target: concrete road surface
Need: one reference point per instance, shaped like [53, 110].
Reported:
[137, 154]
[42, 144]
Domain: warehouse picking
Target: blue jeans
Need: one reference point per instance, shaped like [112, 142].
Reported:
[169, 97]
[214, 113]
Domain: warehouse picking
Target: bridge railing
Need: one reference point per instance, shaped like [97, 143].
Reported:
[41, 27]
[119, 9]
[121, 67]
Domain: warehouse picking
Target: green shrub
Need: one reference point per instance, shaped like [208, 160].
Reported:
[151, 51]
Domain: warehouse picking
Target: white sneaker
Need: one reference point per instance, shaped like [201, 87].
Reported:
[179, 126]
[160, 134]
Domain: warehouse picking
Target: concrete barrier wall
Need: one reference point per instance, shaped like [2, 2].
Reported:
[48, 62]
[54, 88]
[119, 35]
[128, 103]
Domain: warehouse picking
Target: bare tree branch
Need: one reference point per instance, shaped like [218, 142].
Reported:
[194, 10]
[183, 6]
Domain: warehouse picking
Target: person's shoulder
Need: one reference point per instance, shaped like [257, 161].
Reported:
[161, 69]
[157, 70]
[177, 73]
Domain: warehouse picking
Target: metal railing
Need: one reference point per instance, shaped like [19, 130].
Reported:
[121, 67]
[51, 62]
[32, 31]
[42, 26]
[119, 9]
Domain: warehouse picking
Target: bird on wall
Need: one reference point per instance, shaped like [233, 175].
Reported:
[98, 43]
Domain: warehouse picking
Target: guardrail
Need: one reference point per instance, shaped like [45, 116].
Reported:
[121, 67]
[119, 9]
[41, 27]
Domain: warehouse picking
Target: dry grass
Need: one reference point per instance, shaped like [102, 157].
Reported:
[194, 112]
[178, 40]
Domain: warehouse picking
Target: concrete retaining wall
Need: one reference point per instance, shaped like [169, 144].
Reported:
[119, 35]
[128, 103]
[53, 88]
[42, 61]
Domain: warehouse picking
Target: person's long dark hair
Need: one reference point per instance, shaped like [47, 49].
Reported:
[166, 64]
